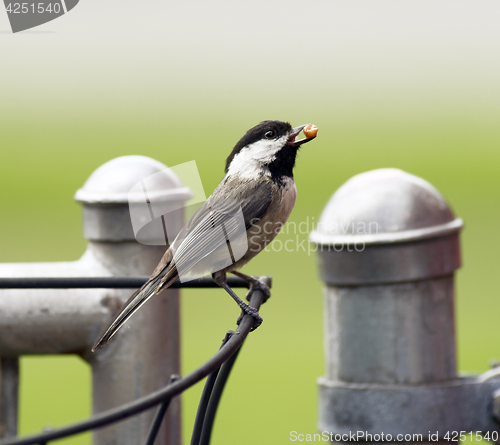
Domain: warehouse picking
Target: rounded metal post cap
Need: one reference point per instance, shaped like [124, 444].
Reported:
[384, 206]
[121, 182]
[112, 181]
[386, 225]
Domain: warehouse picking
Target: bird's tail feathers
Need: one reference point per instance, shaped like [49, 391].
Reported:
[150, 288]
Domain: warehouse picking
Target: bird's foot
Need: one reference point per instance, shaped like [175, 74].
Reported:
[253, 285]
[249, 310]
[256, 284]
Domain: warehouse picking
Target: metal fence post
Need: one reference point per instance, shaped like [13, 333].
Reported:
[147, 352]
[388, 248]
[54, 321]
[9, 391]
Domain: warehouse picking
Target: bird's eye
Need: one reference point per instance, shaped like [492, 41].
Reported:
[269, 134]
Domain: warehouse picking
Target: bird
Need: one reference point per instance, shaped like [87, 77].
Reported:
[251, 204]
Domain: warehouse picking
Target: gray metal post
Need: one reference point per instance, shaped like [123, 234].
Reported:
[388, 247]
[9, 391]
[54, 321]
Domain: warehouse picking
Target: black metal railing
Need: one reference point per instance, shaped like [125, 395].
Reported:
[217, 368]
[105, 282]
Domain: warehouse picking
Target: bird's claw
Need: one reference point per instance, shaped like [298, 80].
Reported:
[257, 319]
[256, 284]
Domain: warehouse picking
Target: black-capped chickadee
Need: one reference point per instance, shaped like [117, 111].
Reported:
[250, 205]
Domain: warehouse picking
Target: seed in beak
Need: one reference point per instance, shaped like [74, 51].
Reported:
[310, 131]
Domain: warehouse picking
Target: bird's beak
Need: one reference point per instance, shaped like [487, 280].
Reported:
[294, 133]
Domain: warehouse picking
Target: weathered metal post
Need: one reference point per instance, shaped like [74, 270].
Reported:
[9, 394]
[57, 321]
[388, 248]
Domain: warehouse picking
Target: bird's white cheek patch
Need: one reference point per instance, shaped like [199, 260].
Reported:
[249, 161]
[246, 169]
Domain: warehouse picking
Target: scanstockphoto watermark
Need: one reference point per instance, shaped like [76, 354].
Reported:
[364, 436]
[356, 436]
[301, 244]
[333, 228]
[293, 235]
[28, 14]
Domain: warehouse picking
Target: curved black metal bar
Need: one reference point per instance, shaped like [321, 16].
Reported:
[157, 397]
[202, 407]
[104, 283]
[220, 384]
[160, 414]
[206, 397]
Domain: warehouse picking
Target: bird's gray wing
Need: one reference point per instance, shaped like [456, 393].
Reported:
[254, 198]
[200, 237]
[223, 218]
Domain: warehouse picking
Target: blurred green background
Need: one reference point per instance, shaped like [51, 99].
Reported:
[412, 85]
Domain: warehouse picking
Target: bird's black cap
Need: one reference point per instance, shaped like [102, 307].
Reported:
[266, 129]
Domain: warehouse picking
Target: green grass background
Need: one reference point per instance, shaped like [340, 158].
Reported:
[417, 90]
[273, 386]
